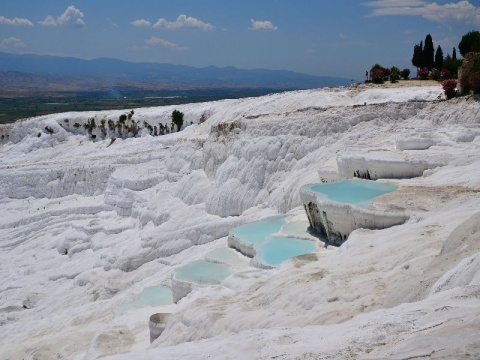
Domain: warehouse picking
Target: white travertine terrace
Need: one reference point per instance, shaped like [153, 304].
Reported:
[86, 226]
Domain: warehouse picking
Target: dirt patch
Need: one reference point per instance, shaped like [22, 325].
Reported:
[420, 198]
[405, 83]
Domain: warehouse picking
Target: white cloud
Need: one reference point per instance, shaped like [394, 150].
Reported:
[165, 43]
[183, 21]
[11, 42]
[72, 17]
[262, 25]
[141, 22]
[342, 36]
[15, 22]
[49, 21]
[394, 3]
[462, 11]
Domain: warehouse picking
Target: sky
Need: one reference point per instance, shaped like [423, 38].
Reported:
[319, 37]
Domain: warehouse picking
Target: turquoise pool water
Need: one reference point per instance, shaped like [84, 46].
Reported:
[228, 256]
[151, 296]
[297, 229]
[277, 249]
[257, 231]
[203, 272]
[352, 191]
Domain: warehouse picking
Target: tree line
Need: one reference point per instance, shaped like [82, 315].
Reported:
[430, 62]
[427, 60]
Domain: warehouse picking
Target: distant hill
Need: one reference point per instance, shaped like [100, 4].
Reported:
[52, 73]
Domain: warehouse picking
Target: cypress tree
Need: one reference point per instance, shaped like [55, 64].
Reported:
[428, 53]
[439, 58]
[421, 55]
[454, 55]
[417, 59]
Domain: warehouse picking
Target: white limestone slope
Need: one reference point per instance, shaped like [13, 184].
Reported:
[86, 226]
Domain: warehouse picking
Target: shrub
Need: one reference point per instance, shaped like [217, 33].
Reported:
[452, 65]
[436, 74]
[394, 77]
[446, 74]
[177, 119]
[405, 73]
[203, 118]
[90, 125]
[422, 73]
[449, 86]
[395, 69]
[225, 128]
[122, 118]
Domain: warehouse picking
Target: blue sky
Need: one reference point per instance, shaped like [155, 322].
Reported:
[328, 37]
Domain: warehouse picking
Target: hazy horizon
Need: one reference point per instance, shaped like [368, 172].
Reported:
[340, 39]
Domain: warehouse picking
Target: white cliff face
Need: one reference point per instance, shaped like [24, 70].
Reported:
[86, 226]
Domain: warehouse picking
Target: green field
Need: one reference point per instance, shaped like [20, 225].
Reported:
[15, 108]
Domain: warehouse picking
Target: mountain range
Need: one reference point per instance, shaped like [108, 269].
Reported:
[36, 73]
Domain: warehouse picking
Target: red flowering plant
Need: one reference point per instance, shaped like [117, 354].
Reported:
[449, 86]
[422, 73]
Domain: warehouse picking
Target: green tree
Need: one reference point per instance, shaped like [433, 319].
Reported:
[394, 74]
[405, 73]
[470, 43]
[451, 65]
[439, 58]
[177, 119]
[377, 74]
[454, 54]
[428, 53]
[417, 59]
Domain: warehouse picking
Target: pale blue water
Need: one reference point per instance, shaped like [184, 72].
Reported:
[258, 230]
[228, 256]
[277, 249]
[202, 272]
[151, 296]
[352, 191]
[297, 229]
